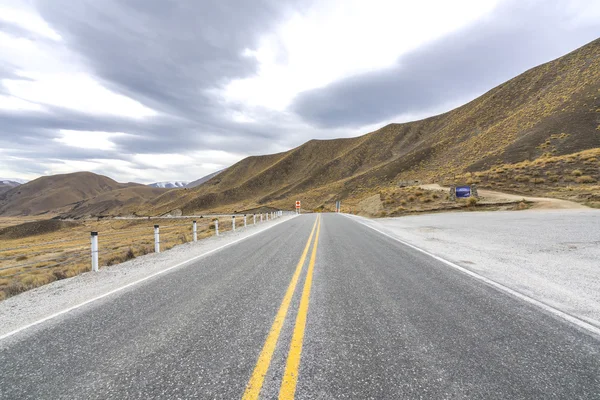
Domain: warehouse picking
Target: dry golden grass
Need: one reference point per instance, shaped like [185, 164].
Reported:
[570, 177]
[29, 262]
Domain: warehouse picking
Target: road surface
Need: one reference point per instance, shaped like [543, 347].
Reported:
[318, 307]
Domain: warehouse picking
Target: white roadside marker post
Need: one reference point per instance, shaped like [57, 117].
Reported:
[261, 217]
[233, 223]
[195, 231]
[253, 219]
[94, 239]
[216, 227]
[156, 239]
[244, 220]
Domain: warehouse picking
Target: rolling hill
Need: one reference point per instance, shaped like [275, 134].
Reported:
[549, 111]
[60, 193]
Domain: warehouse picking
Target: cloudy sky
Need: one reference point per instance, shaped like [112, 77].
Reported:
[153, 90]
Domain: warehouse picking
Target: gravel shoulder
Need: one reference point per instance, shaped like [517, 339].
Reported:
[549, 255]
[31, 306]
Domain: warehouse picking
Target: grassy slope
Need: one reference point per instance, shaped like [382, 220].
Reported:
[511, 123]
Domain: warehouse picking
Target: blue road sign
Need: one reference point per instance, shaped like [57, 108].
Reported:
[462, 192]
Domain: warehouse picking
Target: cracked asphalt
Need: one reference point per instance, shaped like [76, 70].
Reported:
[384, 321]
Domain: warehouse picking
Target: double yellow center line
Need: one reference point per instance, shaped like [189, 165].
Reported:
[290, 376]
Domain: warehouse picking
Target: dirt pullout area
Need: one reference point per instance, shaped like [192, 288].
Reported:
[549, 255]
[540, 203]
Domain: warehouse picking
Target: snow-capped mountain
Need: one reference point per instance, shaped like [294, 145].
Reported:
[208, 177]
[169, 185]
[12, 181]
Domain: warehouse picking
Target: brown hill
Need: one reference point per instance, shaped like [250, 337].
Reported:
[5, 188]
[550, 110]
[33, 228]
[60, 193]
[119, 202]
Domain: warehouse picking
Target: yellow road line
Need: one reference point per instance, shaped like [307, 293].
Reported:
[264, 360]
[290, 377]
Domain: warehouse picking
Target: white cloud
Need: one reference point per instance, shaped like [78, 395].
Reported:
[74, 91]
[88, 139]
[16, 104]
[20, 14]
[341, 38]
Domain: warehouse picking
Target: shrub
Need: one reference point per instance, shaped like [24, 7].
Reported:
[585, 179]
[129, 255]
[15, 288]
[471, 201]
[538, 180]
[59, 275]
[411, 198]
[21, 258]
[522, 206]
[522, 178]
[576, 172]
[113, 261]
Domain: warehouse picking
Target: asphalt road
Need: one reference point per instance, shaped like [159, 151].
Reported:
[359, 317]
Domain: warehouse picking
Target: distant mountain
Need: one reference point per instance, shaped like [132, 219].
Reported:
[14, 181]
[206, 178]
[169, 185]
[7, 184]
[56, 194]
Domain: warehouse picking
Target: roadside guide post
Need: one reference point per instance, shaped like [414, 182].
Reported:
[244, 220]
[216, 227]
[195, 231]
[94, 238]
[233, 223]
[298, 207]
[156, 239]
[253, 219]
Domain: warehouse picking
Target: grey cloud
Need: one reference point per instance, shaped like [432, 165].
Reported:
[462, 65]
[165, 53]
